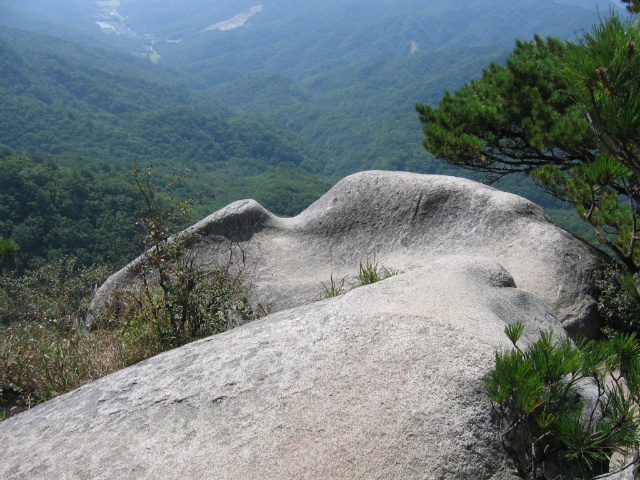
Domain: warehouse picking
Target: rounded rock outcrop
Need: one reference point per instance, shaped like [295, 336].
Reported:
[382, 382]
[402, 221]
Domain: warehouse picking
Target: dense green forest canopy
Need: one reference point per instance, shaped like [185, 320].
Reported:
[350, 95]
[89, 210]
[53, 103]
[51, 211]
[77, 117]
[241, 112]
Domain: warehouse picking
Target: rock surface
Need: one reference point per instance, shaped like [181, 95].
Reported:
[383, 382]
[403, 221]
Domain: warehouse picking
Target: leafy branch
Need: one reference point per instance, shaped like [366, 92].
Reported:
[566, 408]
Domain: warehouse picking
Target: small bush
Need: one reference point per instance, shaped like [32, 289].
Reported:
[618, 301]
[565, 409]
[368, 273]
[191, 304]
[8, 250]
[57, 292]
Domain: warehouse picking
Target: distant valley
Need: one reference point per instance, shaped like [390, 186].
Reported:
[275, 100]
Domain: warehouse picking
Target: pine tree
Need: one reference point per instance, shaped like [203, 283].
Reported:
[567, 114]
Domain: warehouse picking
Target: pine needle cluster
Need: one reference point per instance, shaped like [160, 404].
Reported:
[569, 405]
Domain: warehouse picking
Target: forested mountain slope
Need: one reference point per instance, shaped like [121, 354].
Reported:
[305, 38]
[273, 100]
[54, 104]
[344, 75]
[92, 112]
[361, 116]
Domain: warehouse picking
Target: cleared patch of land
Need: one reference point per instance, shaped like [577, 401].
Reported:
[235, 22]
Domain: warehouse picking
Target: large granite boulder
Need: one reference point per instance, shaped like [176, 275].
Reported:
[382, 382]
[403, 221]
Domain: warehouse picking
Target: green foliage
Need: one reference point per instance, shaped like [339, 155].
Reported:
[180, 300]
[564, 408]
[632, 5]
[617, 301]
[8, 248]
[514, 332]
[190, 304]
[549, 113]
[605, 195]
[285, 189]
[54, 101]
[57, 292]
[602, 74]
[8, 251]
[46, 350]
[359, 116]
[334, 288]
[63, 73]
[370, 272]
[51, 211]
[515, 119]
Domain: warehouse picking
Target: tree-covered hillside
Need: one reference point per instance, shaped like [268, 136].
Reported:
[296, 96]
[344, 76]
[361, 116]
[51, 211]
[79, 207]
[77, 117]
[53, 102]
